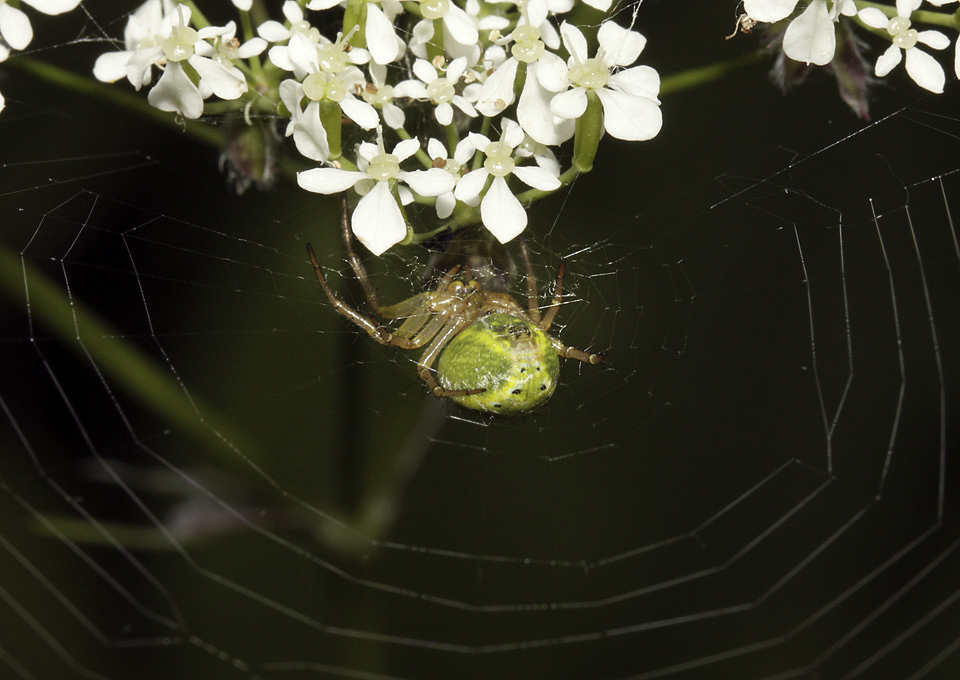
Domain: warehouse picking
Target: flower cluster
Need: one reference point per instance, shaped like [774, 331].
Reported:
[811, 35]
[487, 91]
[15, 29]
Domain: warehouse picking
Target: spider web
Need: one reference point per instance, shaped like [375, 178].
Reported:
[760, 482]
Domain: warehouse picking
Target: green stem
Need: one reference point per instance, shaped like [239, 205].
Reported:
[702, 75]
[75, 82]
[116, 358]
[196, 16]
[453, 138]
[435, 47]
[479, 156]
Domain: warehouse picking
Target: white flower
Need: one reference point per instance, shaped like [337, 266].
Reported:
[460, 28]
[3, 102]
[242, 5]
[441, 90]
[15, 27]
[924, 69]
[175, 91]
[811, 38]
[501, 211]
[461, 156]
[377, 220]
[380, 95]
[328, 78]
[631, 109]
[145, 30]
[496, 94]
[381, 37]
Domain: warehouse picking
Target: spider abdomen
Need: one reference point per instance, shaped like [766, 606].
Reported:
[508, 357]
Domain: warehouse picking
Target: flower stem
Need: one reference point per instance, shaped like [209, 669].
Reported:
[75, 82]
[702, 75]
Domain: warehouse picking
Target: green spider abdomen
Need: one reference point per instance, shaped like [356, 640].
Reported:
[512, 360]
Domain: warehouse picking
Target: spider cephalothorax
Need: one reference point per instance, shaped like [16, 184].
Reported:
[492, 354]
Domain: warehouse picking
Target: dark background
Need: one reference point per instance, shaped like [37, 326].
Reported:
[760, 482]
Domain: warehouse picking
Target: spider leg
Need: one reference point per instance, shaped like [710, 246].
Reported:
[369, 324]
[446, 334]
[533, 304]
[355, 263]
[557, 296]
[578, 354]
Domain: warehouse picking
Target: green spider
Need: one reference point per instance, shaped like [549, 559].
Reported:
[492, 355]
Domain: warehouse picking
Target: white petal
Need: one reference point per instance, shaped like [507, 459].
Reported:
[464, 105]
[628, 117]
[303, 52]
[551, 71]
[112, 66]
[641, 81]
[621, 46]
[291, 10]
[769, 10]
[501, 212]
[140, 66]
[887, 61]
[444, 113]
[445, 205]
[251, 48]
[497, 92]
[226, 84]
[537, 177]
[477, 141]
[956, 59]
[512, 134]
[873, 17]
[322, 4]
[411, 88]
[3, 103]
[243, 5]
[456, 68]
[435, 148]
[810, 38]
[53, 7]
[934, 39]
[461, 26]
[310, 136]
[432, 182]
[381, 37]
[377, 220]
[574, 41]
[536, 118]
[470, 185]
[425, 71]
[906, 7]
[360, 112]
[406, 148]
[279, 56]
[15, 27]
[602, 5]
[570, 104]
[328, 180]
[464, 151]
[176, 92]
[273, 31]
[536, 12]
[925, 70]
